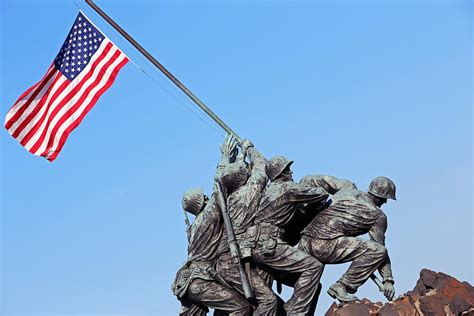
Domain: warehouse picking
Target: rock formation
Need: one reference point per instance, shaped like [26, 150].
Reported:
[434, 294]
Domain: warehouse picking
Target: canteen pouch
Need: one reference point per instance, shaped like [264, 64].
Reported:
[249, 242]
[268, 239]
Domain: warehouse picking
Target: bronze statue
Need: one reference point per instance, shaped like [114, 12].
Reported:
[247, 222]
[197, 285]
[291, 266]
[331, 236]
[244, 185]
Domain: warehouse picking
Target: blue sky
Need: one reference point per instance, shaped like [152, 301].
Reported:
[355, 89]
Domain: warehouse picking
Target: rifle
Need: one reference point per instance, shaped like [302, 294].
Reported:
[233, 246]
[377, 281]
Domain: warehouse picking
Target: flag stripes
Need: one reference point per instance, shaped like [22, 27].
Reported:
[44, 115]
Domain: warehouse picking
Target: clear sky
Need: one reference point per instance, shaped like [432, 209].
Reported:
[355, 89]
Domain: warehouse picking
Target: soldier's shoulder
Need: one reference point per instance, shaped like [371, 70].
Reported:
[381, 214]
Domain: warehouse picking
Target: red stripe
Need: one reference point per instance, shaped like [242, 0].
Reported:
[19, 113]
[91, 104]
[35, 128]
[69, 97]
[36, 109]
[78, 103]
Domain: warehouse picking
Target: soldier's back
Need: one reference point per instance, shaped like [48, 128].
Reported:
[350, 214]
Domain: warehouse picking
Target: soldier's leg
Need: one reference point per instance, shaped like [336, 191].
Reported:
[293, 264]
[216, 296]
[366, 257]
[189, 308]
[371, 256]
[267, 300]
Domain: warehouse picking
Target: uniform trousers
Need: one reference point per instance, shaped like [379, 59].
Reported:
[366, 256]
[202, 293]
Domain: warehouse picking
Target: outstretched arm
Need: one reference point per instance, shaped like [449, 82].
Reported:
[257, 163]
[300, 193]
[377, 234]
[329, 183]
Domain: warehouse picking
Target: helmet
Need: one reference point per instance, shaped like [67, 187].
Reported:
[193, 201]
[234, 176]
[276, 165]
[383, 187]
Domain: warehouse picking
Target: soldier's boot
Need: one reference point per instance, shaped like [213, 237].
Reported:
[339, 291]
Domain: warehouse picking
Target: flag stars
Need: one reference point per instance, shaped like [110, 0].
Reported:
[79, 47]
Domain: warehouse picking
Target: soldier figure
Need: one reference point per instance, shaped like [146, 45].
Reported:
[196, 284]
[330, 237]
[243, 196]
[280, 201]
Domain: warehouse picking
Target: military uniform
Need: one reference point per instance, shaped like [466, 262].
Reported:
[331, 236]
[242, 205]
[195, 285]
[279, 203]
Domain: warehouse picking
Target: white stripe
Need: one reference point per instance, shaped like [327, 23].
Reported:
[22, 101]
[35, 120]
[77, 114]
[68, 105]
[63, 94]
[31, 106]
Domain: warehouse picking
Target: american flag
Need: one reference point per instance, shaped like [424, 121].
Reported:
[85, 67]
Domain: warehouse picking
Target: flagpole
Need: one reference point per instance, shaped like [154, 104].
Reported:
[164, 70]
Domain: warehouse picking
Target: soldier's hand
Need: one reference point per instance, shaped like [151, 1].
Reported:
[229, 145]
[246, 144]
[388, 290]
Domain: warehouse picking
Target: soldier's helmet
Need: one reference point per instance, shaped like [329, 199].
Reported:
[276, 165]
[383, 187]
[193, 201]
[234, 176]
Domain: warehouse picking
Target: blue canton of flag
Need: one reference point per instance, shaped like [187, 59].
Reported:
[82, 42]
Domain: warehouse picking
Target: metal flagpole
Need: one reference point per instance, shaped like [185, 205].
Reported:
[164, 70]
